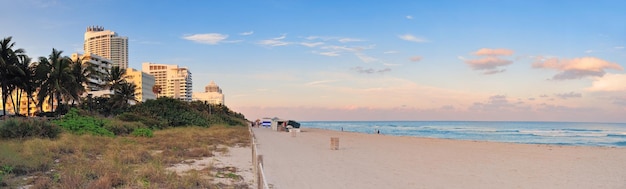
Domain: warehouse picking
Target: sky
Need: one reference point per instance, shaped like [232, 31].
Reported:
[320, 60]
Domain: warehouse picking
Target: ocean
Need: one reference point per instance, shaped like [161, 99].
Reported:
[555, 133]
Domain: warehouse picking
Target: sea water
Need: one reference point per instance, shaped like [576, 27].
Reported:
[557, 133]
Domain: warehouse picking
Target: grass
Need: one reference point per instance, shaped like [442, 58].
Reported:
[88, 161]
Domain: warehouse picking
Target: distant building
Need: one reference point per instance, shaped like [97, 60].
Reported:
[175, 82]
[107, 44]
[144, 82]
[212, 94]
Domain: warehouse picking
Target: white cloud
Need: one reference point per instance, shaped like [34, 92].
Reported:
[283, 36]
[608, 83]
[320, 82]
[391, 52]
[311, 44]
[588, 51]
[619, 47]
[576, 68]
[247, 33]
[207, 38]
[330, 53]
[409, 37]
[274, 42]
[346, 40]
[341, 48]
[365, 58]
[409, 17]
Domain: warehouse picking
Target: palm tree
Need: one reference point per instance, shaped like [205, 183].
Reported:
[8, 69]
[22, 82]
[124, 94]
[59, 74]
[156, 89]
[81, 73]
[115, 78]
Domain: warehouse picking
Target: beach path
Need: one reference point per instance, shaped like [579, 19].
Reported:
[379, 161]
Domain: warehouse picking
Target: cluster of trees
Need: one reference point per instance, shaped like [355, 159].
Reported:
[54, 79]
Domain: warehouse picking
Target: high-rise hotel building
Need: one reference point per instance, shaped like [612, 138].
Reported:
[107, 44]
[175, 82]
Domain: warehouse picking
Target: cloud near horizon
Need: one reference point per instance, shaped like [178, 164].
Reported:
[608, 83]
[490, 61]
[576, 68]
[565, 96]
[207, 38]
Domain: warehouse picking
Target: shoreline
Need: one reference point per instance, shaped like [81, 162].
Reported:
[386, 161]
[462, 140]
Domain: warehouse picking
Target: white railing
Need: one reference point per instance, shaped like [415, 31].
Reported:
[257, 161]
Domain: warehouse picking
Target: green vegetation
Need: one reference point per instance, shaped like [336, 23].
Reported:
[78, 124]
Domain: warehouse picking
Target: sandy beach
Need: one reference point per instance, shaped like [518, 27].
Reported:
[380, 161]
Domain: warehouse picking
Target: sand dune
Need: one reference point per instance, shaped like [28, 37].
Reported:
[379, 161]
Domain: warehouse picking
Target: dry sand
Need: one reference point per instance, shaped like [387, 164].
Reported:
[379, 161]
[236, 160]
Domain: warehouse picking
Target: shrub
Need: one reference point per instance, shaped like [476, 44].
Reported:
[151, 122]
[119, 127]
[28, 127]
[78, 124]
[142, 132]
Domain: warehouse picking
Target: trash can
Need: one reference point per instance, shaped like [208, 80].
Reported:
[334, 143]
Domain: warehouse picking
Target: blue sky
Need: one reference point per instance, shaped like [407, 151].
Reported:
[366, 60]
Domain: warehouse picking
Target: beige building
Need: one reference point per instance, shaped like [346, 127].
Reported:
[107, 44]
[144, 83]
[212, 94]
[175, 82]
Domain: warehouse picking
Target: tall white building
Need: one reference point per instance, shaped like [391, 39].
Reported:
[212, 94]
[100, 65]
[175, 82]
[107, 44]
[144, 83]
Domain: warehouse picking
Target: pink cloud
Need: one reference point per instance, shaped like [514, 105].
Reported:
[490, 60]
[576, 68]
[487, 63]
[493, 52]
[415, 58]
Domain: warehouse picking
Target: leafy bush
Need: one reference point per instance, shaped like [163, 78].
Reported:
[119, 127]
[151, 122]
[175, 112]
[24, 128]
[78, 124]
[142, 132]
